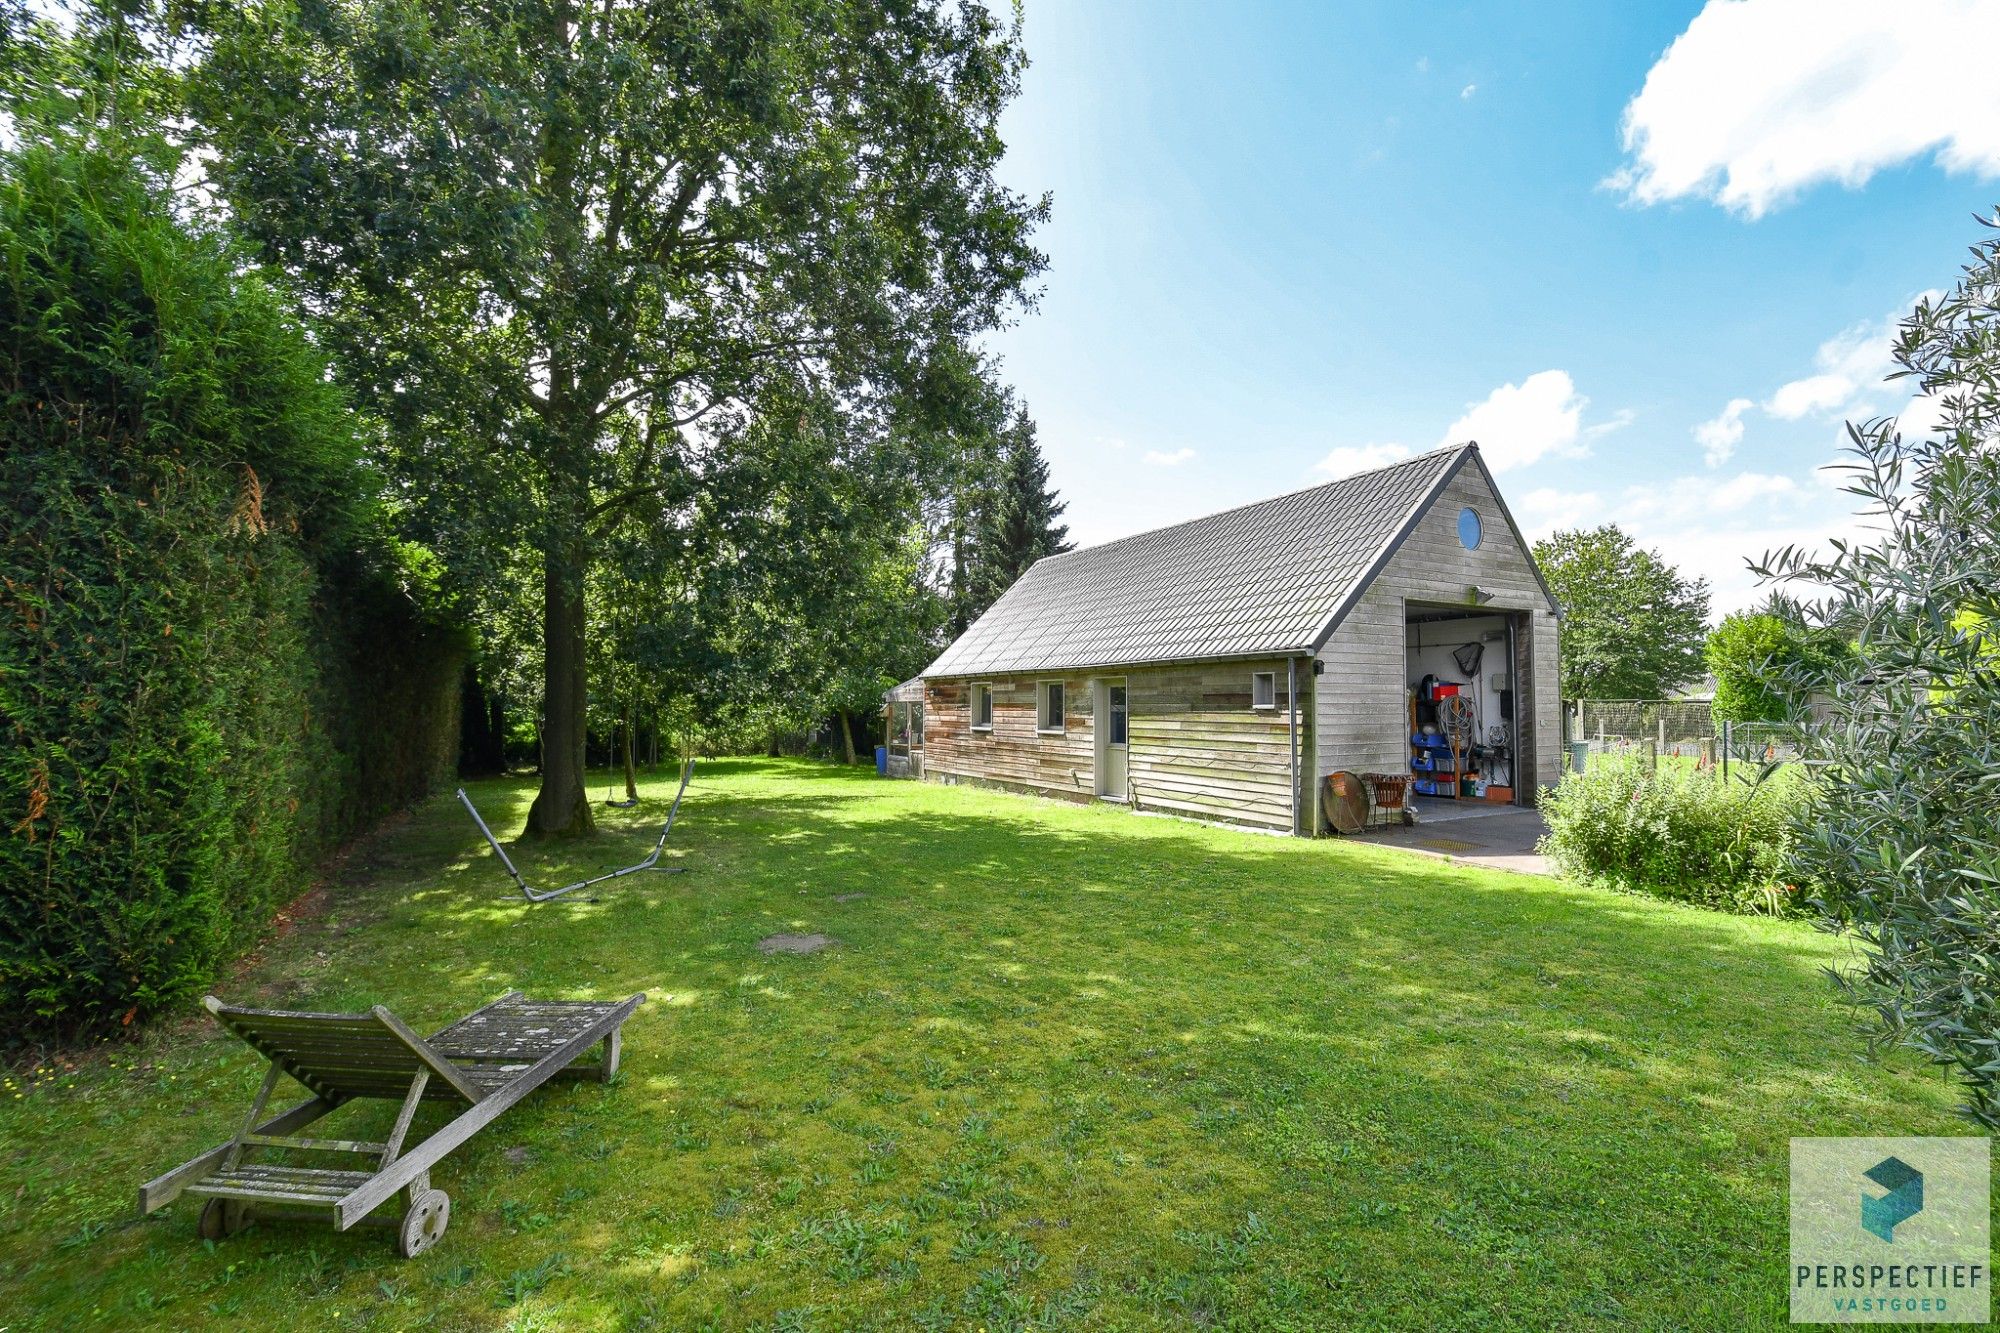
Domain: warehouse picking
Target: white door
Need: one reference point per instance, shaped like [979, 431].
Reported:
[1111, 739]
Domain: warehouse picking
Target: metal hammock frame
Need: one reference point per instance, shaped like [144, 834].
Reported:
[652, 862]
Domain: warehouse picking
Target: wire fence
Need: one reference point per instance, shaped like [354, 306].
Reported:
[1673, 731]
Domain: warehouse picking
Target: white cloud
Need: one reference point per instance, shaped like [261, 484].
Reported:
[1423, 64]
[1849, 372]
[1923, 417]
[1704, 528]
[1174, 459]
[1520, 423]
[1465, 93]
[1813, 394]
[1618, 420]
[1720, 436]
[1760, 99]
[1721, 552]
[1746, 489]
[1685, 499]
[1349, 459]
[1546, 509]
[1849, 380]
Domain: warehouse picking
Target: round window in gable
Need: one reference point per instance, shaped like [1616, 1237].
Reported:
[1468, 528]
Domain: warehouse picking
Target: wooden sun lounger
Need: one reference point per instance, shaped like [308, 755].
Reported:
[488, 1060]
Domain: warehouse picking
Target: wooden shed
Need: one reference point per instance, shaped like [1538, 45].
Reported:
[1222, 667]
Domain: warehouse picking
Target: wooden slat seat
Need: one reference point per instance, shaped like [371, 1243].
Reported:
[293, 1185]
[344, 1056]
[493, 1076]
[517, 1030]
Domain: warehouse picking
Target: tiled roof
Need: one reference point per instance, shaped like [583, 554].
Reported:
[1263, 579]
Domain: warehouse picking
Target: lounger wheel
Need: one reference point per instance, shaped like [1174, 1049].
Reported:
[424, 1222]
[222, 1218]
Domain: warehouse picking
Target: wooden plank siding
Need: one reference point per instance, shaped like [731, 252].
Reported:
[1195, 745]
[1013, 754]
[1199, 748]
[1361, 712]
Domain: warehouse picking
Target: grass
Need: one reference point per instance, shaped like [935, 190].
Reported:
[1067, 1068]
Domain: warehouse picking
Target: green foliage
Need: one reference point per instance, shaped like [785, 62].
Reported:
[808, 603]
[1907, 841]
[188, 718]
[607, 238]
[1632, 627]
[1677, 833]
[1767, 666]
[1019, 525]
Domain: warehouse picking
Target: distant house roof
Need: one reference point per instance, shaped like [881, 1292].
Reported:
[1265, 579]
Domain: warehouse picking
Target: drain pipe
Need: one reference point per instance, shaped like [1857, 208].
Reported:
[1292, 732]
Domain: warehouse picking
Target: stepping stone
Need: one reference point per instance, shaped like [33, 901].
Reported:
[794, 943]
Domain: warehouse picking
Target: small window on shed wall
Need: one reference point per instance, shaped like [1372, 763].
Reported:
[1049, 706]
[982, 708]
[1263, 689]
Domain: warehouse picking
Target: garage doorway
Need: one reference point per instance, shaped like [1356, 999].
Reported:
[1464, 718]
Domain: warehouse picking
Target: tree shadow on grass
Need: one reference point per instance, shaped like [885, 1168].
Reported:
[1155, 1021]
[1424, 953]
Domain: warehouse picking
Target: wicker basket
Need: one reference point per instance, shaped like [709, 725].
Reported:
[1390, 794]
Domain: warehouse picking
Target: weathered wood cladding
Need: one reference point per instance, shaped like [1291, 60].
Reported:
[1361, 710]
[1013, 752]
[1196, 746]
[1199, 748]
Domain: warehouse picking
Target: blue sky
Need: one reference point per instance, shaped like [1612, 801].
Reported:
[1647, 255]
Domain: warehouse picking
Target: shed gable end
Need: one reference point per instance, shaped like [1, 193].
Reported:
[1428, 561]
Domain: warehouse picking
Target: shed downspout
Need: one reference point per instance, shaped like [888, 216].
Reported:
[1292, 731]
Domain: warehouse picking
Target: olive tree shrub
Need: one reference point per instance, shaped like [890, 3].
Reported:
[1905, 836]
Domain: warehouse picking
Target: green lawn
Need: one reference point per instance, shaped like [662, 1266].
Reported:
[1068, 1068]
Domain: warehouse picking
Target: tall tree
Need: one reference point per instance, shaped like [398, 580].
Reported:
[1633, 627]
[1018, 524]
[1769, 664]
[966, 502]
[826, 602]
[562, 248]
[973, 411]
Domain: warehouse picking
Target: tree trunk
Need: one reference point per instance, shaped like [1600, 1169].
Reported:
[561, 808]
[847, 735]
[631, 773]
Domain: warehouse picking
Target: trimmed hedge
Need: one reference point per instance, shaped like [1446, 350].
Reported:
[205, 675]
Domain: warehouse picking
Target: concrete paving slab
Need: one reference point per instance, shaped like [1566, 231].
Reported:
[1481, 833]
